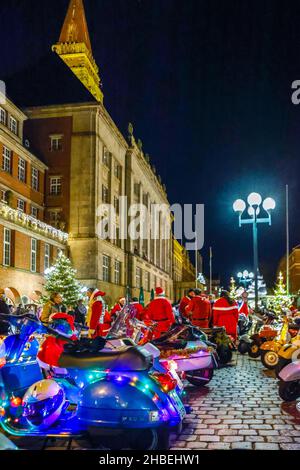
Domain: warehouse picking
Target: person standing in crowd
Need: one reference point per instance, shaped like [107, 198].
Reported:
[118, 307]
[243, 304]
[54, 305]
[4, 326]
[80, 312]
[99, 320]
[185, 301]
[225, 313]
[138, 308]
[198, 310]
[160, 311]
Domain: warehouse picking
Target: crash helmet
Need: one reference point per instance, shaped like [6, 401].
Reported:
[43, 404]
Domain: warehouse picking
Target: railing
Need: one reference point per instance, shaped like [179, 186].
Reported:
[31, 223]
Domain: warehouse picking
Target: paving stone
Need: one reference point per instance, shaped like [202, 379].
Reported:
[242, 445]
[266, 446]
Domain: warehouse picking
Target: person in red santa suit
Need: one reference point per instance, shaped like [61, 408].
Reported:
[100, 319]
[138, 308]
[118, 307]
[243, 306]
[160, 311]
[198, 310]
[225, 313]
[185, 301]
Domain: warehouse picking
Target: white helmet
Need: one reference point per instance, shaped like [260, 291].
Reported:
[43, 403]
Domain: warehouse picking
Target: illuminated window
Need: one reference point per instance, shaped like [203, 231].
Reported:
[22, 170]
[21, 205]
[33, 255]
[56, 143]
[105, 268]
[7, 247]
[6, 162]
[117, 272]
[2, 116]
[13, 125]
[138, 275]
[47, 256]
[55, 186]
[34, 212]
[35, 178]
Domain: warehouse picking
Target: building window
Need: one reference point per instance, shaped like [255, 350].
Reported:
[3, 196]
[55, 186]
[47, 256]
[147, 281]
[21, 205]
[33, 255]
[117, 170]
[35, 179]
[6, 162]
[22, 170]
[116, 204]
[7, 247]
[54, 218]
[105, 268]
[13, 125]
[105, 195]
[136, 189]
[56, 144]
[106, 157]
[2, 116]
[34, 212]
[117, 272]
[138, 274]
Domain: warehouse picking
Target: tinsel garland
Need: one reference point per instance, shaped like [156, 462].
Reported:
[182, 352]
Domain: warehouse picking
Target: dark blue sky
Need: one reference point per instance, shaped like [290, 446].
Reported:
[207, 85]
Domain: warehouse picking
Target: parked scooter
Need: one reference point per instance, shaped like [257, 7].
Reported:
[289, 385]
[103, 390]
[264, 328]
[290, 351]
[183, 348]
[270, 349]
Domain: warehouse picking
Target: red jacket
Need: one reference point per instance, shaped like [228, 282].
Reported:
[226, 315]
[160, 311]
[100, 319]
[243, 308]
[199, 311]
[117, 308]
[139, 310]
[183, 304]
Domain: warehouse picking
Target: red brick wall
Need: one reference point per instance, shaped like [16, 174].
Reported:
[37, 131]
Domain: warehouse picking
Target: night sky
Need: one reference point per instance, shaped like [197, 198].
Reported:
[207, 85]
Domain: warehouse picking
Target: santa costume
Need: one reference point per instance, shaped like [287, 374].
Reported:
[160, 311]
[227, 315]
[199, 311]
[118, 307]
[100, 320]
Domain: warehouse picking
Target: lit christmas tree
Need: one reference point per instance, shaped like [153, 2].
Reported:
[61, 278]
[232, 290]
[280, 300]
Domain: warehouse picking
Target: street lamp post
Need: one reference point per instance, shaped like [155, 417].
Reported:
[254, 202]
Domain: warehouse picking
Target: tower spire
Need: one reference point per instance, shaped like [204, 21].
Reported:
[74, 48]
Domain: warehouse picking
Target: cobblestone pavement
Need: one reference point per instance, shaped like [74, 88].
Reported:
[239, 409]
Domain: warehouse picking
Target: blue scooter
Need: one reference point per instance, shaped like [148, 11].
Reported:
[115, 392]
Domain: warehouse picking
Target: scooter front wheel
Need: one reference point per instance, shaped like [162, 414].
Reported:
[281, 364]
[289, 391]
[199, 377]
[254, 350]
[269, 359]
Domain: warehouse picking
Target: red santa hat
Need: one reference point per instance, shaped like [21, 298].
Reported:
[159, 291]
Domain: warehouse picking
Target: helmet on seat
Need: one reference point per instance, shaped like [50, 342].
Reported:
[43, 404]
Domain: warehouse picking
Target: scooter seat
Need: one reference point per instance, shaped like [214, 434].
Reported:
[125, 359]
